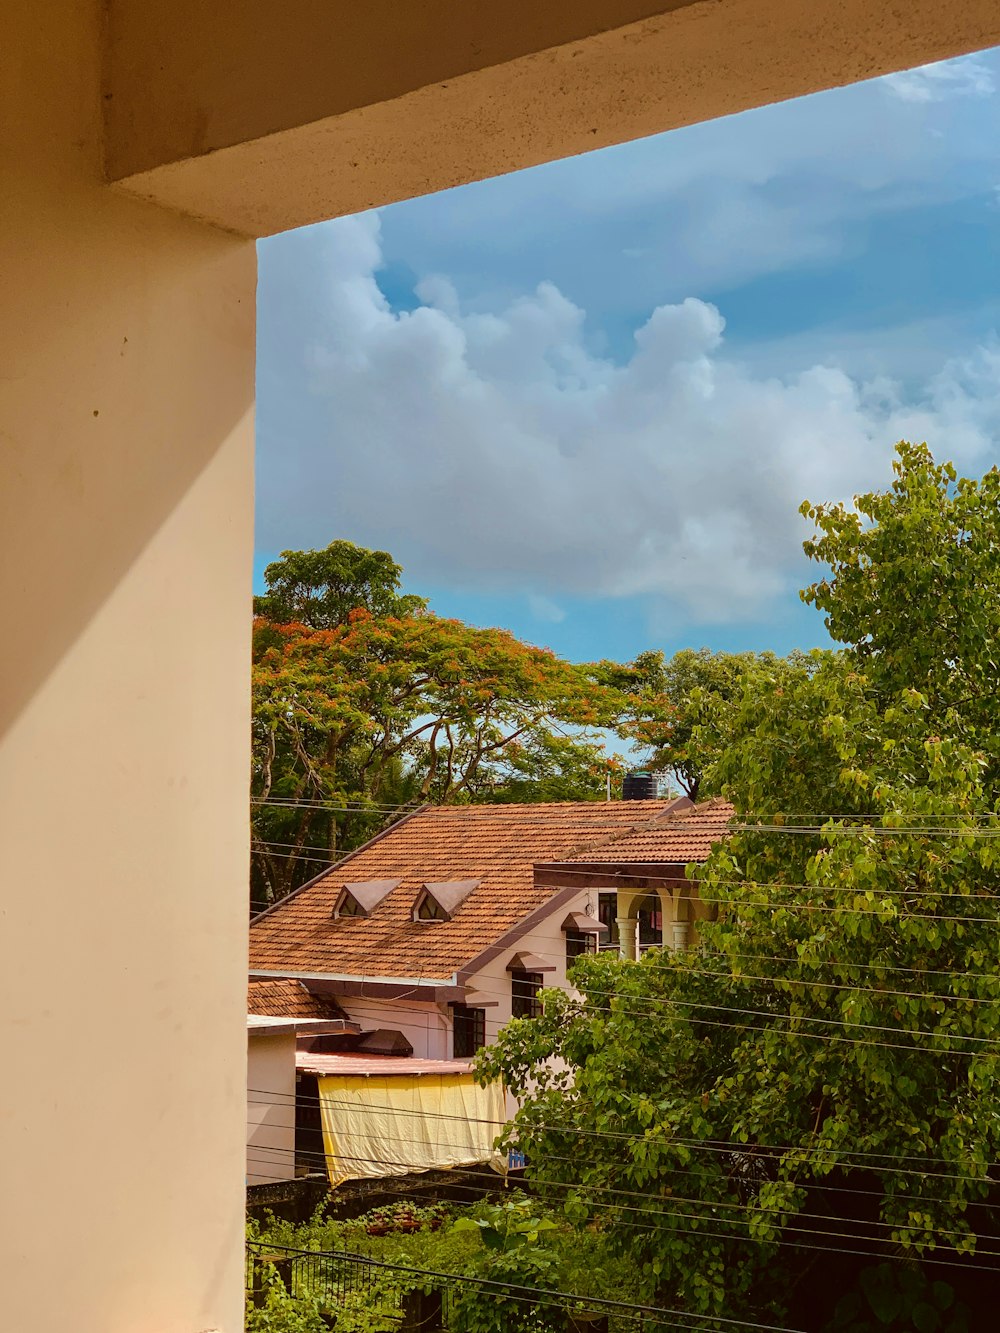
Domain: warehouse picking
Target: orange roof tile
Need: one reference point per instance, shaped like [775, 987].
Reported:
[498, 845]
[678, 838]
[289, 999]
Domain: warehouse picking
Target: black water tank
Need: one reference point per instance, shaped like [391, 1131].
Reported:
[640, 786]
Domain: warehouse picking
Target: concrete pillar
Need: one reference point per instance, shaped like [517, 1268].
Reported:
[628, 929]
[125, 521]
[679, 932]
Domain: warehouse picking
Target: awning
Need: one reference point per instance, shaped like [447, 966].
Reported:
[529, 962]
[475, 1000]
[584, 924]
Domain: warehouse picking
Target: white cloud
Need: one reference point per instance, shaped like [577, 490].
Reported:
[495, 450]
[966, 77]
[711, 206]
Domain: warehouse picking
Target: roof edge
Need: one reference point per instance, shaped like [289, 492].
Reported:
[260, 974]
[337, 864]
[516, 932]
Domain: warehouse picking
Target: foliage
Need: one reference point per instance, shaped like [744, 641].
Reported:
[898, 1298]
[678, 710]
[517, 1252]
[841, 1018]
[517, 1242]
[321, 588]
[376, 711]
[914, 588]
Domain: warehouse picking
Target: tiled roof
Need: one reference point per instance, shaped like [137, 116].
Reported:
[498, 845]
[677, 839]
[289, 999]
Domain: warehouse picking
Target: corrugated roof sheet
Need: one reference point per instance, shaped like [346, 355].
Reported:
[498, 845]
[308, 1062]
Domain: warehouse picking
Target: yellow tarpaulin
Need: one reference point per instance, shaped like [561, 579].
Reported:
[390, 1126]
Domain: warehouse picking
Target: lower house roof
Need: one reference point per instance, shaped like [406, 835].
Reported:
[284, 998]
[380, 1066]
[267, 1025]
[496, 845]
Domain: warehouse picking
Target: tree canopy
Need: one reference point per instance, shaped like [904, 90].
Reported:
[356, 719]
[819, 1078]
[679, 710]
[322, 588]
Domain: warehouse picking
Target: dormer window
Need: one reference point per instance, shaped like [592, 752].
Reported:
[429, 909]
[361, 899]
[440, 902]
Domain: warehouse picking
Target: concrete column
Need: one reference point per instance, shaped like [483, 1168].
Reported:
[627, 932]
[126, 527]
[679, 935]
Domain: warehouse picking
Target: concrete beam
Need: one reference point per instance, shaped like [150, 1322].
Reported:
[259, 117]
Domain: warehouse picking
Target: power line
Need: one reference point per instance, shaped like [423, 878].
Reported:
[502, 1288]
[690, 1145]
[729, 1205]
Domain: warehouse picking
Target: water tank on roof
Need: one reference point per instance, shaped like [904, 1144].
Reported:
[639, 785]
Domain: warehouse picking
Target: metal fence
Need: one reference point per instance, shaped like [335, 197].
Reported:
[336, 1280]
[423, 1301]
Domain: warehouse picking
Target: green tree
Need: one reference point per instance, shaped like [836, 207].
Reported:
[321, 588]
[349, 721]
[841, 1020]
[678, 710]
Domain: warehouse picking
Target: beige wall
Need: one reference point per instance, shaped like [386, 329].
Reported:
[126, 380]
[680, 905]
[270, 1107]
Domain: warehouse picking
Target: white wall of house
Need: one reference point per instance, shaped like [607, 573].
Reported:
[425, 1025]
[547, 941]
[270, 1107]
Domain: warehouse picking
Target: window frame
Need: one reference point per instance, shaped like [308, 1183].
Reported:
[470, 1021]
[578, 943]
[430, 918]
[525, 994]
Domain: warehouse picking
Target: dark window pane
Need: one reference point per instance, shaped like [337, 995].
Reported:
[607, 912]
[577, 942]
[470, 1031]
[525, 1000]
[431, 910]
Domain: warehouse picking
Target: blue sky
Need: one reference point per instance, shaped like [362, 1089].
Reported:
[584, 401]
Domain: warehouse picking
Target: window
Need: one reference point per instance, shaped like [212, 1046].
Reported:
[578, 942]
[469, 1031]
[650, 922]
[607, 912]
[430, 910]
[525, 999]
[361, 899]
